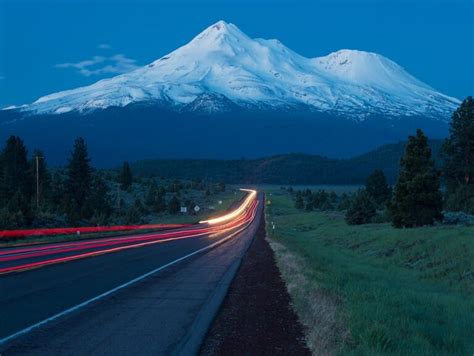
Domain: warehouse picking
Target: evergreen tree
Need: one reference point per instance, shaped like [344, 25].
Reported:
[79, 182]
[139, 206]
[378, 188]
[416, 199]
[58, 188]
[174, 205]
[299, 202]
[155, 198]
[14, 172]
[99, 200]
[16, 188]
[459, 158]
[221, 187]
[345, 202]
[126, 178]
[159, 204]
[320, 200]
[362, 209]
[150, 195]
[135, 213]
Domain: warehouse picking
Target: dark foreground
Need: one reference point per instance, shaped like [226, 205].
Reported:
[256, 317]
[166, 311]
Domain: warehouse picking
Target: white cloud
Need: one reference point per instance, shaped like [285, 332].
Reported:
[98, 65]
[104, 46]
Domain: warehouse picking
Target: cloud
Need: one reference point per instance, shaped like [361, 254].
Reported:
[104, 46]
[2, 77]
[99, 65]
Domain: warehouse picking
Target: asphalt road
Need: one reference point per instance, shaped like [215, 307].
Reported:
[31, 296]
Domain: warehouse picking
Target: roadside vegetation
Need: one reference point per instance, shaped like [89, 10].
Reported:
[384, 290]
[386, 270]
[35, 196]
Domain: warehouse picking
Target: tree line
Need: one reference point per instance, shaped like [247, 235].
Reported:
[33, 195]
[29, 192]
[416, 199]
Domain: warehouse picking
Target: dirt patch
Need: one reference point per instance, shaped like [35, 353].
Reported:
[256, 317]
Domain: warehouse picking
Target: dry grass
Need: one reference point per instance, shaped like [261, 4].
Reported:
[317, 310]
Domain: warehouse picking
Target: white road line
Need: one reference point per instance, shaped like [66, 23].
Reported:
[87, 302]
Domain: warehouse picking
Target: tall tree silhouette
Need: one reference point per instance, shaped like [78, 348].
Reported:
[417, 200]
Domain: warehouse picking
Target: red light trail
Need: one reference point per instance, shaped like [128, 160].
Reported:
[48, 254]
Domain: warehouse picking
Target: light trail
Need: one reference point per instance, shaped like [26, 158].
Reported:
[248, 200]
[238, 218]
[88, 229]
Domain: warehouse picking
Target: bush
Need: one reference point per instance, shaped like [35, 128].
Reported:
[458, 218]
[362, 209]
[462, 199]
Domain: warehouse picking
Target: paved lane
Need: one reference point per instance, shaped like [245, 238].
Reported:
[31, 296]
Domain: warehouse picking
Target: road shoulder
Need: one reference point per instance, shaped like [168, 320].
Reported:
[256, 316]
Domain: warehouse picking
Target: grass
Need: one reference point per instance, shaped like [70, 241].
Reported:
[338, 189]
[229, 197]
[386, 290]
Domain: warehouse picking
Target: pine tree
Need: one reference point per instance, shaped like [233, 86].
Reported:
[135, 213]
[159, 204]
[79, 182]
[416, 200]
[174, 205]
[150, 195]
[14, 171]
[459, 158]
[362, 209]
[99, 200]
[299, 202]
[155, 198]
[126, 178]
[378, 188]
[16, 185]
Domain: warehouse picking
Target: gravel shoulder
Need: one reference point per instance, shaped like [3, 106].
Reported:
[256, 317]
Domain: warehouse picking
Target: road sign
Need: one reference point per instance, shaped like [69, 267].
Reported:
[184, 209]
[197, 208]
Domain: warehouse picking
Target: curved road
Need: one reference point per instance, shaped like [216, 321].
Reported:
[37, 283]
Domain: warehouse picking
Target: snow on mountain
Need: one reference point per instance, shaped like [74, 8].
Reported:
[223, 67]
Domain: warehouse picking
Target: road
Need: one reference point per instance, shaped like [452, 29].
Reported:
[150, 293]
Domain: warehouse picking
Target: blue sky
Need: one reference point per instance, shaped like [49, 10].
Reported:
[48, 46]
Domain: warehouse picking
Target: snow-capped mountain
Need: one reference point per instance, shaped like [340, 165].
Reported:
[223, 69]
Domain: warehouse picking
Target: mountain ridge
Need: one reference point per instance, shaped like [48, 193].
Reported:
[286, 168]
[259, 73]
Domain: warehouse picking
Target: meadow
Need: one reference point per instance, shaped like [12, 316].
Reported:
[373, 289]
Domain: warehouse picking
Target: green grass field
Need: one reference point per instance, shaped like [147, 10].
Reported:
[394, 291]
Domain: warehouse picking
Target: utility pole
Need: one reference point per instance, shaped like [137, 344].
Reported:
[118, 198]
[37, 182]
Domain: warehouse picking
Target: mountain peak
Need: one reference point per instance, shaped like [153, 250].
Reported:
[219, 25]
[218, 30]
[369, 68]
[224, 62]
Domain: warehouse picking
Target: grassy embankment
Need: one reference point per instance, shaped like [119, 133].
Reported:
[373, 289]
[229, 197]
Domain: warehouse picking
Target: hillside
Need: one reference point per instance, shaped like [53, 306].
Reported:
[291, 168]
